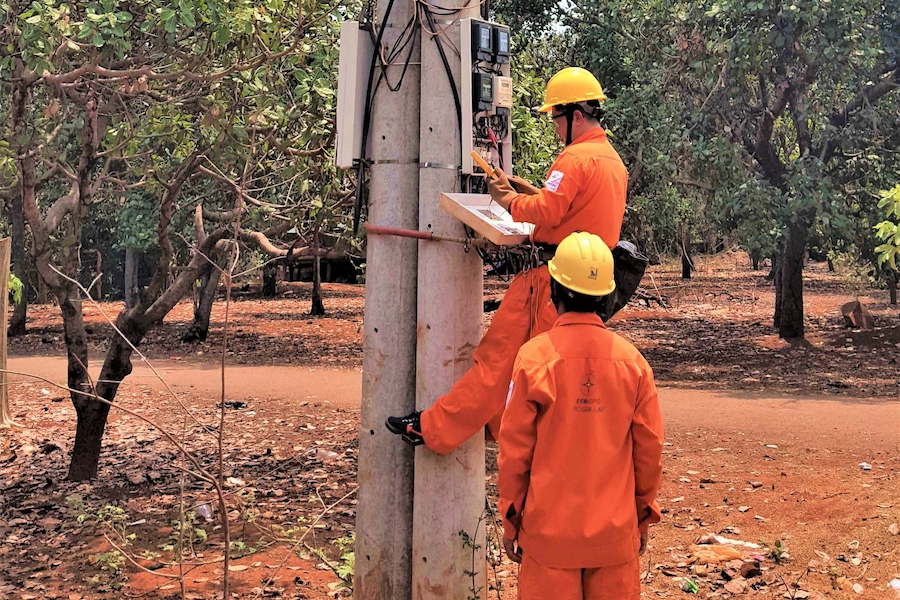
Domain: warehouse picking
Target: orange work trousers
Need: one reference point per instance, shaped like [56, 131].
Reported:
[618, 582]
[479, 396]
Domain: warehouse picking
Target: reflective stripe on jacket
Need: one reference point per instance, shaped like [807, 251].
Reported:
[585, 191]
[580, 447]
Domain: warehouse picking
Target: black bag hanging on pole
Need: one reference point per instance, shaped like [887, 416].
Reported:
[628, 270]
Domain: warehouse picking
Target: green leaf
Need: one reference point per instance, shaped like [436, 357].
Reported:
[187, 19]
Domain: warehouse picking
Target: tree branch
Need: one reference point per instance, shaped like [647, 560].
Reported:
[167, 300]
[189, 74]
[222, 215]
[868, 95]
[171, 193]
[261, 240]
[218, 175]
[700, 184]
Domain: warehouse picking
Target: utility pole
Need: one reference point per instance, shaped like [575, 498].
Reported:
[449, 490]
[383, 517]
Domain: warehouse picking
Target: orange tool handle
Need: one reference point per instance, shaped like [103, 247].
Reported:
[484, 166]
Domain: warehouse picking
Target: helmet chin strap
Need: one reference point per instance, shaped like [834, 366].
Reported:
[570, 116]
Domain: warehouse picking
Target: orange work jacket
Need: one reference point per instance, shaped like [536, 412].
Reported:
[585, 191]
[580, 447]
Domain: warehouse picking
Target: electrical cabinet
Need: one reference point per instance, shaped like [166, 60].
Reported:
[355, 58]
[486, 94]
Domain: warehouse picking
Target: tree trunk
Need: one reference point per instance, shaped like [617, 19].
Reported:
[790, 324]
[686, 265]
[89, 429]
[317, 308]
[775, 275]
[892, 288]
[43, 290]
[87, 436]
[97, 292]
[19, 107]
[754, 260]
[131, 291]
[92, 414]
[209, 284]
[134, 324]
[270, 280]
[19, 265]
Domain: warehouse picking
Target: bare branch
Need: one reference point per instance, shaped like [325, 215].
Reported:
[121, 183]
[188, 74]
[700, 184]
[199, 229]
[223, 215]
[172, 191]
[218, 175]
[186, 278]
[262, 241]
[867, 96]
[58, 167]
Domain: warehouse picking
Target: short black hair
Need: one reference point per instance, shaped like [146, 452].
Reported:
[574, 301]
[591, 109]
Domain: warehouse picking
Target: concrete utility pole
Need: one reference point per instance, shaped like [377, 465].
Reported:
[449, 490]
[383, 517]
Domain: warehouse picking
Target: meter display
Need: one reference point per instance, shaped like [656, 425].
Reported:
[501, 44]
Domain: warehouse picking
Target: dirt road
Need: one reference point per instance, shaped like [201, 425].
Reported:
[340, 387]
[832, 422]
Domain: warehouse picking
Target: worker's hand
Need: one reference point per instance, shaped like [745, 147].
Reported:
[522, 186]
[644, 537]
[501, 189]
[512, 550]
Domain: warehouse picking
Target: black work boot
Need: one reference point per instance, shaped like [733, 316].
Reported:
[409, 428]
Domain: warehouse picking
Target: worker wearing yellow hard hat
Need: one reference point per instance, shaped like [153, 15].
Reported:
[581, 442]
[576, 90]
[585, 190]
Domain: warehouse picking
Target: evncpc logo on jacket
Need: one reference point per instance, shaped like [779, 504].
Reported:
[587, 403]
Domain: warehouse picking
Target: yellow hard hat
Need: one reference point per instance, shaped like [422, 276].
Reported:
[571, 85]
[583, 264]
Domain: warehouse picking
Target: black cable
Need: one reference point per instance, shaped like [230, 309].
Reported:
[395, 88]
[440, 46]
[406, 36]
[367, 118]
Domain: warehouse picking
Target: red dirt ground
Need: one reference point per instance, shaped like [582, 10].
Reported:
[755, 428]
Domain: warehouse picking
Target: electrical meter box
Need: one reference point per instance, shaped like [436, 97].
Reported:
[501, 44]
[488, 218]
[486, 94]
[355, 59]
[482, 40]
[483, 88]
[503, 93]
